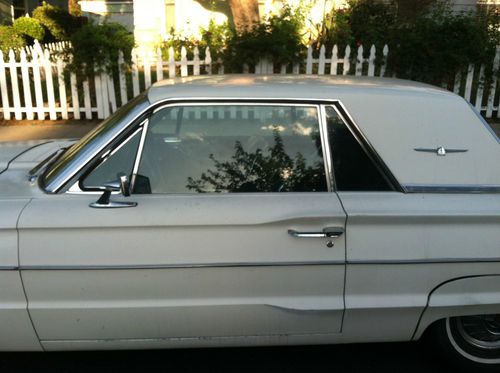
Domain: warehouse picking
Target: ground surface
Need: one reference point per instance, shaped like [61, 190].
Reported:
[386, 357]
[362, 358]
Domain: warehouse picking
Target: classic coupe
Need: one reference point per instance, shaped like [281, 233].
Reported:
[258, 210]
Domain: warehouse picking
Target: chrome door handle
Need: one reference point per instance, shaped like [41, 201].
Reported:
[325, 233]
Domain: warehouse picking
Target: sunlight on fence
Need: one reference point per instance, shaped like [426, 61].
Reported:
[35, 85]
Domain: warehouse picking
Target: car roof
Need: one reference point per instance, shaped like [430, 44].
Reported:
[285, 87]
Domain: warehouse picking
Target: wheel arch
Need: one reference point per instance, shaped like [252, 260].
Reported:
[469, 295]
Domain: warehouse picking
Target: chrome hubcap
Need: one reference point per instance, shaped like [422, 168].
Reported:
[482, 331]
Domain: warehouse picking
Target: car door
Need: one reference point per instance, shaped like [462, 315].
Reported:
[236, 233]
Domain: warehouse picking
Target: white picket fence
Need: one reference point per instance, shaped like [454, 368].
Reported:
[34, 84]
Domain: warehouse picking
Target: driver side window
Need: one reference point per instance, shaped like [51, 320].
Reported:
[232, 148]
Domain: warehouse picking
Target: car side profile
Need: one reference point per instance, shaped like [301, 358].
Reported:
[247, 210]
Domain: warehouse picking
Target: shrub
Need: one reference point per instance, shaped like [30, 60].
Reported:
[57, 21]
[433, 47]
[99, 46]
[278, 39]
[30, 28]
[9, 39]
[428, 45]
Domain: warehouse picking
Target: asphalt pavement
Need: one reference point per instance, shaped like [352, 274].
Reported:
[356, 358]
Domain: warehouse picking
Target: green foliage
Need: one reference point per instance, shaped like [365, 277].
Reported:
[278, 39]
[59, 23]
[98, 45]
[430, 43]
[10, 39]
[433, 47]
[30, 28]
[177, 41]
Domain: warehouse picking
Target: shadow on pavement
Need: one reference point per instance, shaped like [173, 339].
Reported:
[386, 357]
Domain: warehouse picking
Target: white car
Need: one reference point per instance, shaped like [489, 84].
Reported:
[252, 210]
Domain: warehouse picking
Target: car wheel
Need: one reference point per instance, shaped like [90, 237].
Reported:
[471, 342]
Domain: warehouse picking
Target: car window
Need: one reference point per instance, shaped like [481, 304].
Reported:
[353, 169]
[121, 159]
[232, 148]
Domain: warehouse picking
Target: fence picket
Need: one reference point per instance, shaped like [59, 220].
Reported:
[208, 61]
[171, 63]
[159, 65]
[98, 95]
[491, 97]
[359, 61]
[105, 94]
[347, 61]
[135, 75]
[371, 61]
[322, 60]
[334, 61]
[74, 96]
[309, 63]
[28, 103]
[123, 80]
[147, 71]
[35, 62]
[3, 89]
[196, 62]
[86, 99]
[458, 82]
[62, 89]
[49, 83]
[111, 92]
[16, 99]
[184, 67]
[468, 82]
[480, 90]
[385, 53]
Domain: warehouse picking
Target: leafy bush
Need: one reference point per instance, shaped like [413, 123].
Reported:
[30, 28]
[99, 46]
[57, 21]
[430, 44]
[434, 46]
[278, 39]
[10, 39]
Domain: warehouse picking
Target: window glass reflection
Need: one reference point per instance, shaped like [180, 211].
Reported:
[221, 149]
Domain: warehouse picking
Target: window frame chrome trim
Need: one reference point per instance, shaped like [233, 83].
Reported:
[209, 101]
[76, 170]
[327, 151]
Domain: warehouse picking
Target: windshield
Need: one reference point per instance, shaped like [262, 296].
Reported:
[64, 167]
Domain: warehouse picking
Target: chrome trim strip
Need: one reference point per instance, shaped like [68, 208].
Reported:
[254, 264]
[325, 143]
[426, 261]
[452, 188]
[177, 266]
[9, 268]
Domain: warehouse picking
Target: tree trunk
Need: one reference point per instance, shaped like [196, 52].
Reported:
[245, 14]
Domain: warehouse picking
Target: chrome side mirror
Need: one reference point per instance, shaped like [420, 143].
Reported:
[122, 185]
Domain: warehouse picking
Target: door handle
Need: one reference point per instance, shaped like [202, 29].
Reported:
[325, 233]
